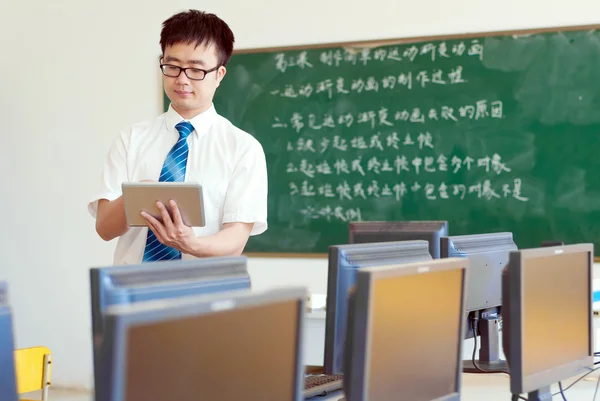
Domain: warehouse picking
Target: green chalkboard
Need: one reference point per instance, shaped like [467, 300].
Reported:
[494, 132]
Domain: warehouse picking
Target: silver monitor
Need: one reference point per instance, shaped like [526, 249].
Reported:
[405, 332]
[488, 256]
[129, 284]
[547, 307]
[230, 346]
[344, 262]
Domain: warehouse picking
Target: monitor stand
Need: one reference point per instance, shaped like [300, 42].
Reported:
[542, 394]
[489, 351]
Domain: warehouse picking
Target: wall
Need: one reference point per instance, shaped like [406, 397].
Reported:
[74, 72]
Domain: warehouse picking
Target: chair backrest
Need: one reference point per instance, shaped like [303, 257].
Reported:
[33, 367]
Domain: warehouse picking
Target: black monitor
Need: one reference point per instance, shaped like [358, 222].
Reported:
[130, 284]
[232, 346]
[344, 260]
[8, 380]
[361, 232]
[488, 255]
[552, 243]
[405, 332]
[548, 327]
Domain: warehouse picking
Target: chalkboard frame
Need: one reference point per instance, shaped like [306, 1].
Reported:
[372, 43]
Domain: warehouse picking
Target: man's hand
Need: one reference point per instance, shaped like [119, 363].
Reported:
[171, 232]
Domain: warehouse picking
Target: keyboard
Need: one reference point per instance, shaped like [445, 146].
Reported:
[321, 384]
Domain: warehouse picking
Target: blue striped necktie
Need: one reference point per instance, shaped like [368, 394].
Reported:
[173, 171]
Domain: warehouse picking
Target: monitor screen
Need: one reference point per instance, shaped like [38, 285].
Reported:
[403, 338]
[382, 231]
[217, 349]
[411, 353]
[554, 290]
[547, 308]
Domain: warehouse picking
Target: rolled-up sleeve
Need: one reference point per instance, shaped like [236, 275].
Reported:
[114, 173]
[246, 199]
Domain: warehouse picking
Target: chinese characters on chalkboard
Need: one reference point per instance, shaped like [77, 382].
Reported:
[330, 164]
[366, 56]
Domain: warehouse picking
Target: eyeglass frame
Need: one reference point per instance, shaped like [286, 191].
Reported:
[184, 70]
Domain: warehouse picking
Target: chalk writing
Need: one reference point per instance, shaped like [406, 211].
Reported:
[324, 86]
[283, 62]
[384, 117]
[341, 86]
[346, 190]
[332, 57]
[419, 164]
[407, 53]
[376, 141]
[331, 213]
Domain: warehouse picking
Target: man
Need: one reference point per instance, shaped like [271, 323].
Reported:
[190, 142]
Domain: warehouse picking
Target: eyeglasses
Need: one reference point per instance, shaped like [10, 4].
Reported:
[195, 74]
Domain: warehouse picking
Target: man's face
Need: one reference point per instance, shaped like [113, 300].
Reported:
[191, 97]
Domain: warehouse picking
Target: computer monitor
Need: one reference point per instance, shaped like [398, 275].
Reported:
[344, 261]
[361, 232]
[548, 327]
[488, 254]
[232, 346]
[129, 284]
[405, 332]
[552, 243]
[3, 293]
[8, 380]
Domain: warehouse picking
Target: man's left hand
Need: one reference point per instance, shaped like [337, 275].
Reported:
[171, 232]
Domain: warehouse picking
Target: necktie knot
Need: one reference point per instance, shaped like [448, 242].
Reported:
[185, 129]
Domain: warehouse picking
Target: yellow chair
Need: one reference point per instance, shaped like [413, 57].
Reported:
[33, 368]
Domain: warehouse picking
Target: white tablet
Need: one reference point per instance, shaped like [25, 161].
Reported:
[142, 196]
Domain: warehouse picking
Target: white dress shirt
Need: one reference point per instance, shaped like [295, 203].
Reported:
[228, 162]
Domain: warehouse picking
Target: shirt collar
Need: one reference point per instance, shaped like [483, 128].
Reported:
[201, 123]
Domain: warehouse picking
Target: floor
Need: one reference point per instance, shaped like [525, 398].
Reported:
[475, 388]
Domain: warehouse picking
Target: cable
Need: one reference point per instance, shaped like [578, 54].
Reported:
[561, 390]
[577, 381]
[596, 391]
[562, 393]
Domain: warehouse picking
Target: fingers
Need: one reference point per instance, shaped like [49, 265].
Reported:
[157, 228]
[166, 218]
[171, 230]
[177, 219]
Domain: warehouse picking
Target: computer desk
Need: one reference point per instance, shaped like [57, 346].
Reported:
[496, 387]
